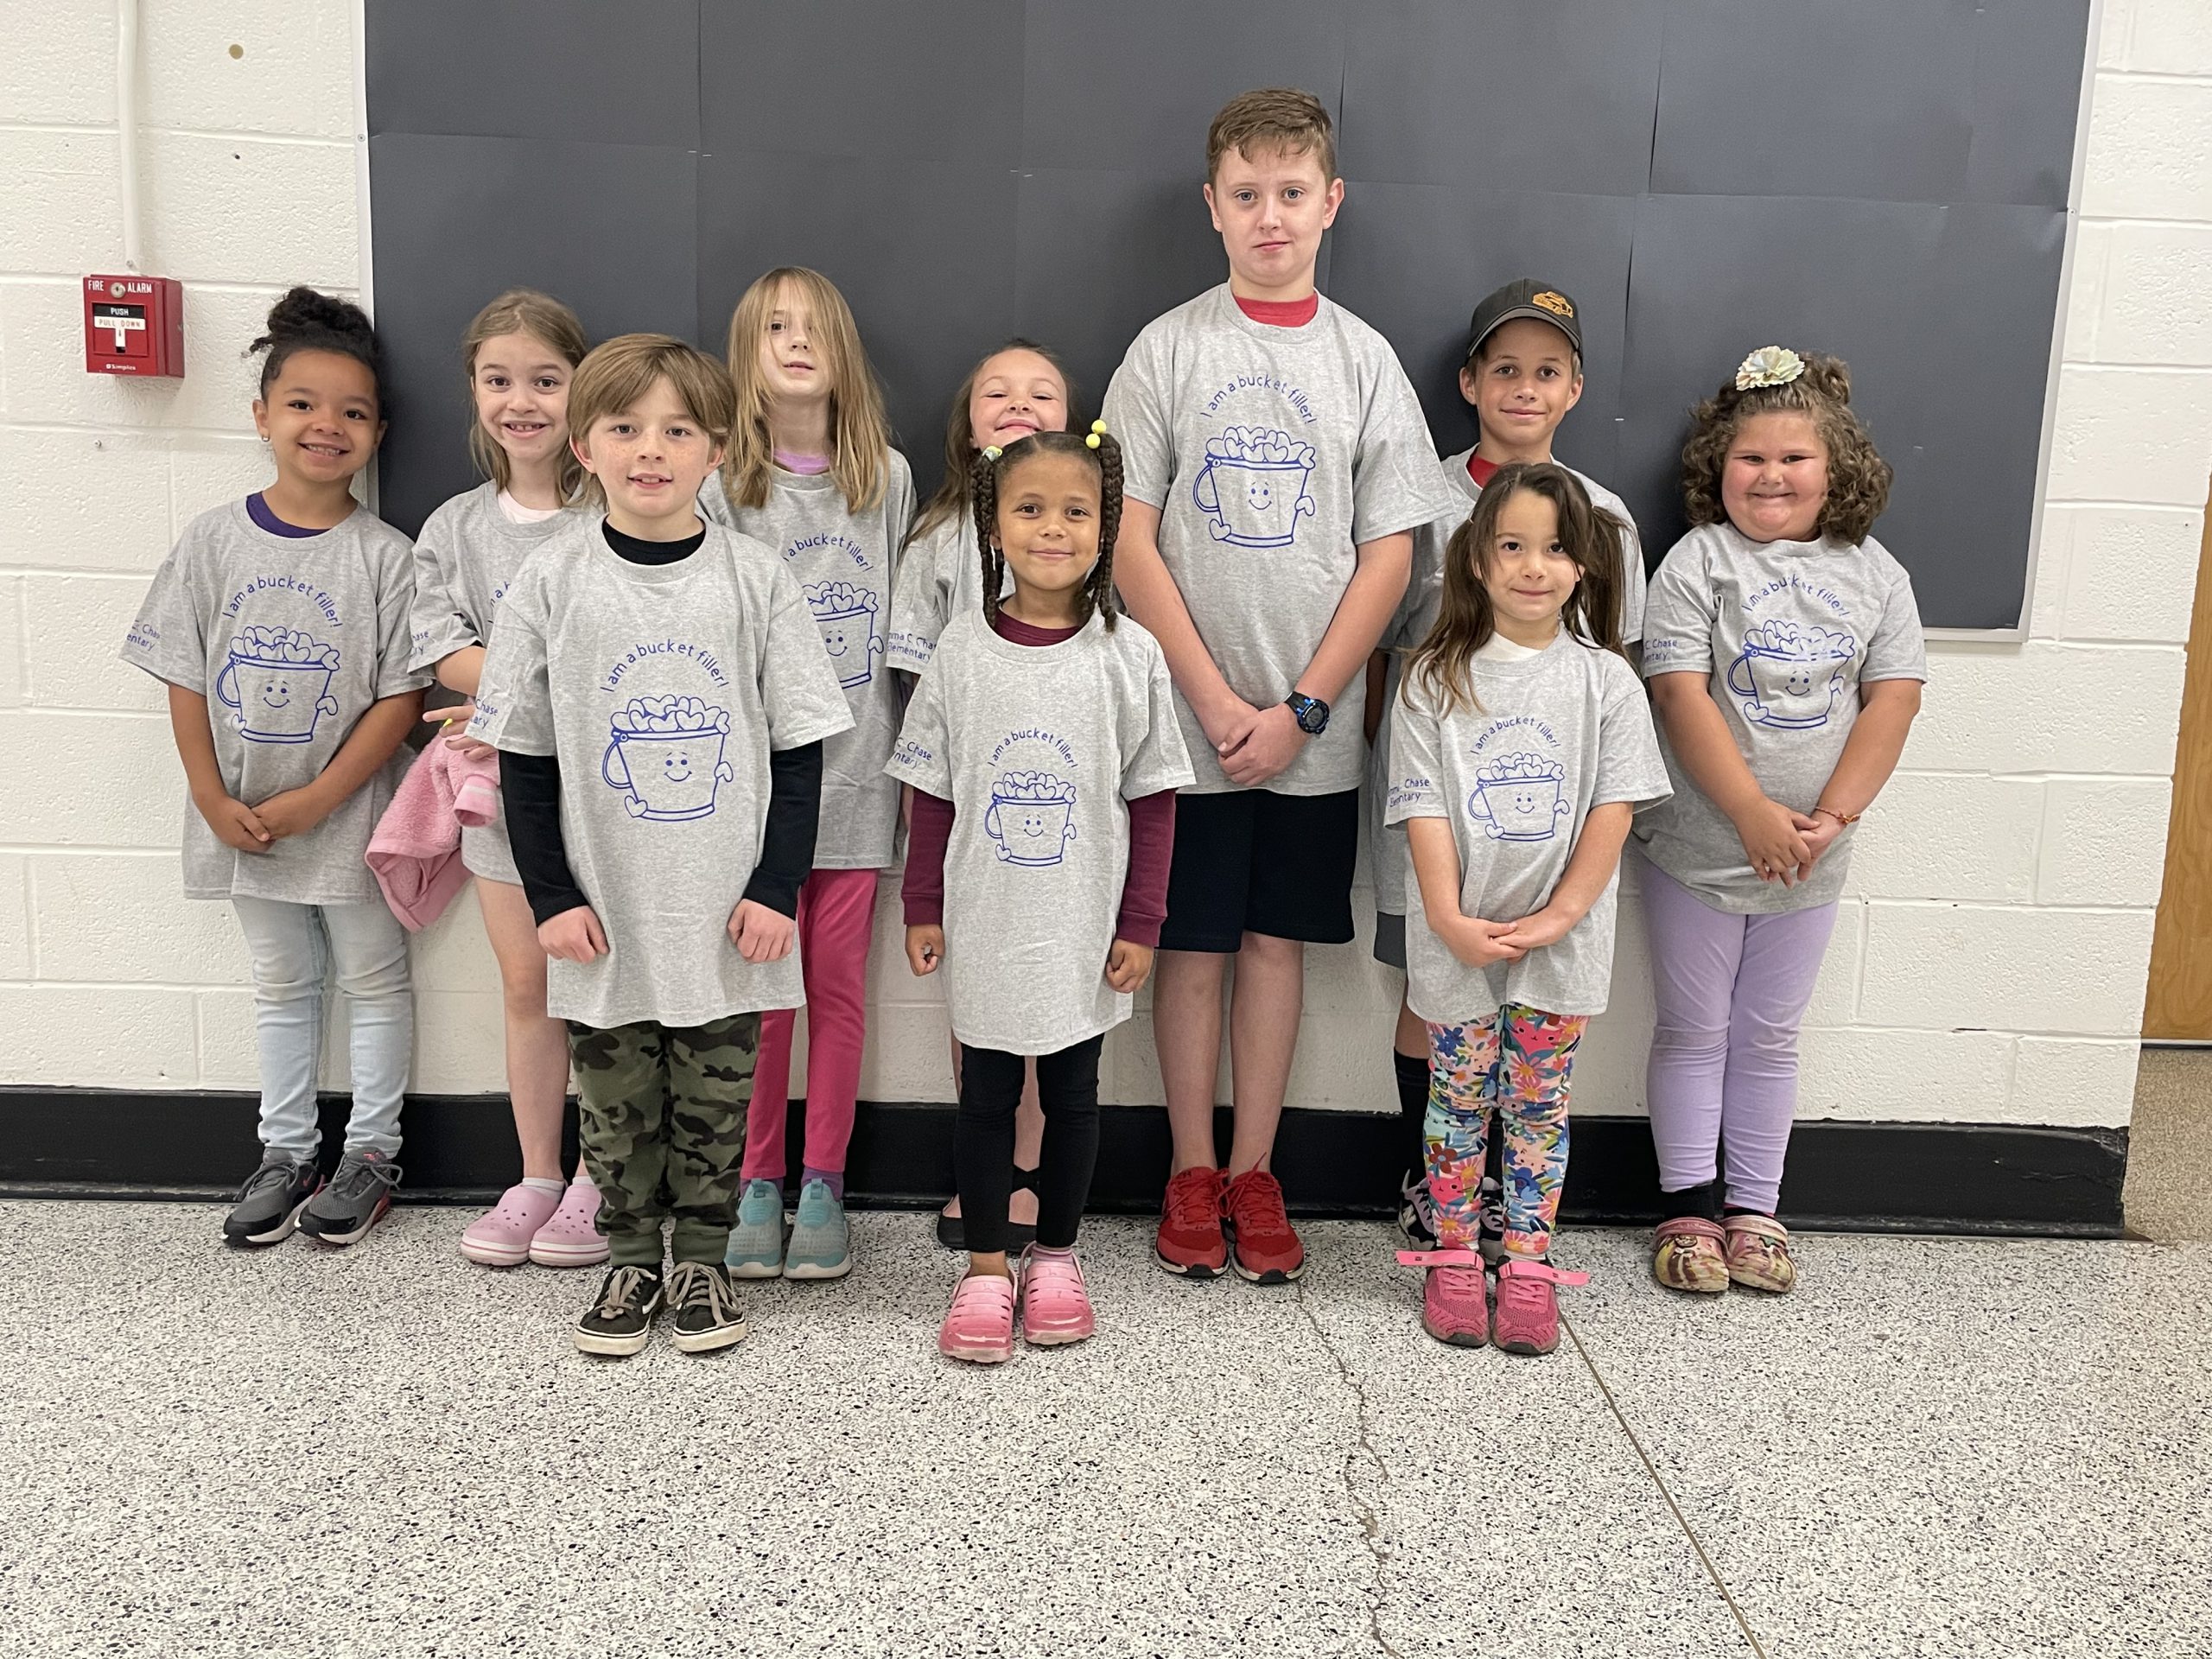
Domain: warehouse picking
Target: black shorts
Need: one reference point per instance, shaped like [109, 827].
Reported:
[1252, 861]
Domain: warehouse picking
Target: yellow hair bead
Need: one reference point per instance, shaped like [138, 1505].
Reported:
[991, 452]
[1091, 442]
[1098, 427]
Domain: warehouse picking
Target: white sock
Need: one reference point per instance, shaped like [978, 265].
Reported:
[541, 1184]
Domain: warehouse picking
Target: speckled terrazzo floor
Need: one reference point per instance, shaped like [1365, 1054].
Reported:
[1937, 1448]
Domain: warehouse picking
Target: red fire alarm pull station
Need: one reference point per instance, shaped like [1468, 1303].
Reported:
[133, 325]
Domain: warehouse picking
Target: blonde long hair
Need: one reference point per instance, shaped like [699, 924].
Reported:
[522, 311]
[1588, 535]
[858, 426]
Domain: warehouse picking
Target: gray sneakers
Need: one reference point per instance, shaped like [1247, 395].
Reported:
[359, 1194]
[270, 1203]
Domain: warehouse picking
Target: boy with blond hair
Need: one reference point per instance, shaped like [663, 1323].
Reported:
[658, 694]
[1276, 466]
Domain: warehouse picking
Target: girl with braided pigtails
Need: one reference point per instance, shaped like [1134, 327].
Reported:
[1044, 756]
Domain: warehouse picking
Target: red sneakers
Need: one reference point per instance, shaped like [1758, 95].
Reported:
[1267, 1252]
[1190, 1241]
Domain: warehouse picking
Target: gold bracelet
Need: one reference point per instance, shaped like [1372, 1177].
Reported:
[1844, 819]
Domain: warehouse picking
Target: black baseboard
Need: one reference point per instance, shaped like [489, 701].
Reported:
[1945, 1177]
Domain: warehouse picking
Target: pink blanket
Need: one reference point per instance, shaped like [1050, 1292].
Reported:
[416, 851]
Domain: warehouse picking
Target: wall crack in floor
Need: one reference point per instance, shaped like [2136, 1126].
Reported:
[1372, 1537]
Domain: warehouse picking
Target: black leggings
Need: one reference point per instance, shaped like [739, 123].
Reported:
[983, 1148]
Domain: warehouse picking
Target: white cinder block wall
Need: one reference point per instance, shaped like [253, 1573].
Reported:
[1990, 963]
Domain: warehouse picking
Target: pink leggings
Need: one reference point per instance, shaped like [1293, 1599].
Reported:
[836, 915]
[1731, 990]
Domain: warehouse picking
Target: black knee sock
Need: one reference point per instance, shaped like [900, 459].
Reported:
[1702, 1202]
[1413, 1105]
[1745, 1210]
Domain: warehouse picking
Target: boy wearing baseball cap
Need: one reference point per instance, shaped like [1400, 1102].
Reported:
[1522, 372]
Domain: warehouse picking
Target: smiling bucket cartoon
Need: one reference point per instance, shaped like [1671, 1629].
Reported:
[1519, 798]
[277, 684]
[666, 756]
[846, 615]
[1252, 488]
[1790, 674]
[1031, 816]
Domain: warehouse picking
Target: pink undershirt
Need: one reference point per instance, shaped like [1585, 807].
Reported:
[805, 466]
[1151, 837]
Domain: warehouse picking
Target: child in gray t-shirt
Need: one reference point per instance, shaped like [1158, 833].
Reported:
[1783, 651]
[1522, 375]
[279, 624]
[812, 475]
[1044, 751]
[1522, 746]
[658, 694]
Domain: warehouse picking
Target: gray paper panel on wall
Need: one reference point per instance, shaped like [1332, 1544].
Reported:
[970, 169]
[453, 219]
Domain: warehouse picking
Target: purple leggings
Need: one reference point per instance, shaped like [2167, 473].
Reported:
[1731, 991]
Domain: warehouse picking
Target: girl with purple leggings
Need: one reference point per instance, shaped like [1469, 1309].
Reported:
[1783, 652]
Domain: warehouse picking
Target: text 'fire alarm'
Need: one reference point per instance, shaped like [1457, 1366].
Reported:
[133, 325]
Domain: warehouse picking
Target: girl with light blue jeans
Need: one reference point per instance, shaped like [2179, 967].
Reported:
[279, 625]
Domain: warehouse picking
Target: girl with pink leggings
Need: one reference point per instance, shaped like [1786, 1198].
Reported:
[1784, 655]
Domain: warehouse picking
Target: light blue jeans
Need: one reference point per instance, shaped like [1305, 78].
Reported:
[293, 947]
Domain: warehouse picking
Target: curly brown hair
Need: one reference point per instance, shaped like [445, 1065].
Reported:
[989, 470]
[1858, 479]
[1466, 620]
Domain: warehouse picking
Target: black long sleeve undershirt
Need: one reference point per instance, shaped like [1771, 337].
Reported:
[529, 786]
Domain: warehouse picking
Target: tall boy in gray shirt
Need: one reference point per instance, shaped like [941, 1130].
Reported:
[1276, 466]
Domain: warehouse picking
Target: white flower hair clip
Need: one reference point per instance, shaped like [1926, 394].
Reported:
[1769, 365]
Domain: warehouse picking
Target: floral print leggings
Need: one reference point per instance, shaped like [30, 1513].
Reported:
[1516, 1062]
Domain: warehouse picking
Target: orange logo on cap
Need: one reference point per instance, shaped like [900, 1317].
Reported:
[1558, 304]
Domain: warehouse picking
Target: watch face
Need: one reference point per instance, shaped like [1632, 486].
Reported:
[1313, 716]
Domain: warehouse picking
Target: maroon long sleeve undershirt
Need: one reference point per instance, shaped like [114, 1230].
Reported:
[1152, 839]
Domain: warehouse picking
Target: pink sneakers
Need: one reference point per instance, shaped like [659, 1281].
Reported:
[1055, 1306]
[1455, 1307]
[569, 1239]
[500, 1237]
[979, 1325]
[1527, 1320]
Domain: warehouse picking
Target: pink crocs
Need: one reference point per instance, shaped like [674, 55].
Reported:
[1527, 1321]
[570, 1239]
[1055, 1306]
[500, 1237]
[1455, 1307]
[979, 1325]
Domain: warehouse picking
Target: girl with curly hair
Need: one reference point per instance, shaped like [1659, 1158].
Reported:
[1783, 652]
[1044, 756]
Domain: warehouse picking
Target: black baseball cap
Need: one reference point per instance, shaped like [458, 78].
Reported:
[1525, 298]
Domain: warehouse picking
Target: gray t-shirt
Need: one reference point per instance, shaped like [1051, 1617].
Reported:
[843, 562]
[940, 576]
[1787, 631]
[661, 690]
[290, 639]
[1272, 453]
[1039, 748]
[468, 553]
[1417, 615]
[1554, 734]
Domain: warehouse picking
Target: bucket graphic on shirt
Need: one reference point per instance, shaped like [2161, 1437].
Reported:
[1031, 816]
[1252, 488]
[845, 616]
[277, 684]
[1791, 674]
[666, 757]
[1519, 798]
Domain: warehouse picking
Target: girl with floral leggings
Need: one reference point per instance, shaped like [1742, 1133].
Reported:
[1521, 747]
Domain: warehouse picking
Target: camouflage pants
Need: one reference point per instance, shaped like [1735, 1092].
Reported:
[663, 1131]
